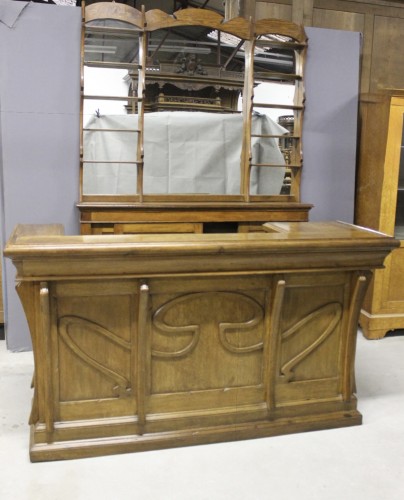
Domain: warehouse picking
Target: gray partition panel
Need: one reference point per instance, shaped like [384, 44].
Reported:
[39, 105]
[330, 123]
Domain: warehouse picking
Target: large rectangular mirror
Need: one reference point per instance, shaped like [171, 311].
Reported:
[188, 106]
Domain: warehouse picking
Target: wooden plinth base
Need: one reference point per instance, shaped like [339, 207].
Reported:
[376, 326]
[134, 443]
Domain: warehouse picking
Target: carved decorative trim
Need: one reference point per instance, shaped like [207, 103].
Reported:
[111, 10]
[194, 330]
[189, 64]
[225, 328]
[156, 19]
[122, 384]
[272, 351]
[335, 309]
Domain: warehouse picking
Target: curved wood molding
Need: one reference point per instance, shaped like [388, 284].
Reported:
[225, 328]
[157, 19]
[114, 11]
[334, 310]
[280, 27]
[122, 385]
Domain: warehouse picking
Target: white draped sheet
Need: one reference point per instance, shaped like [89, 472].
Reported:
[183, 153]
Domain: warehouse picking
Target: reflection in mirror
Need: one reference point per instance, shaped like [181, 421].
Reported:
[270, 127]
[111, 55]
[103, 143]
[178, 105]
[274, 110]
[193, 129]
[105, 82]
[111, 41]
[193, 68]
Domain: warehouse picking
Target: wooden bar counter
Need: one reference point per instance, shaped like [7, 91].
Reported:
[150, 341]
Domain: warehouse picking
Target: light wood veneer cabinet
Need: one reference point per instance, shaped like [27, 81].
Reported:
[380, 205]
[143, 342]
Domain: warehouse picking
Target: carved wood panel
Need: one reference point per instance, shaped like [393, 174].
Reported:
[207, 340]
[95, 329]
[310, 338]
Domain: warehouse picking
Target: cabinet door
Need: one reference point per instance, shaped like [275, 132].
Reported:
[392, 209]
[399, 159]
[393, 182]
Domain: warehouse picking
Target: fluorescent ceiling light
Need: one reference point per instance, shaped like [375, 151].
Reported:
[181, 48]
[100, 49]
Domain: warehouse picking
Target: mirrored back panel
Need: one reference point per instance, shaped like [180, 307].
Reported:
[189, 106]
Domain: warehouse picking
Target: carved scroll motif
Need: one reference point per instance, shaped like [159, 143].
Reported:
[224, 328]
[193, 331]
[242, 327]
[121, 383]
[333, 309]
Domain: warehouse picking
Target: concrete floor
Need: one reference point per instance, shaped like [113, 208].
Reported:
[361, 463]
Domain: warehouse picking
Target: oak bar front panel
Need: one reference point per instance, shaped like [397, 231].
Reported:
[144, 342]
